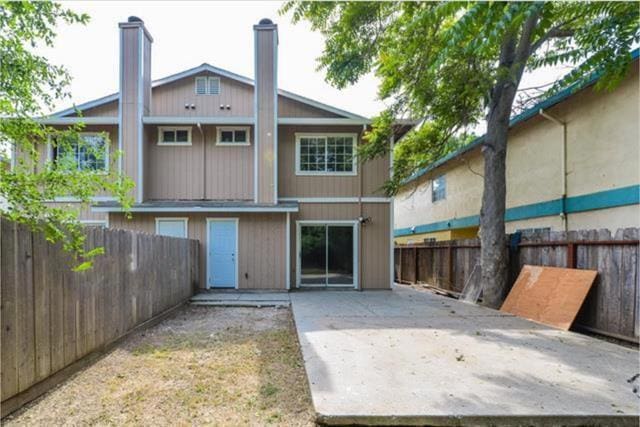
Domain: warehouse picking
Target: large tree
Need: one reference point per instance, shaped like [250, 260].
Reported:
[29, 86]
[454, 64]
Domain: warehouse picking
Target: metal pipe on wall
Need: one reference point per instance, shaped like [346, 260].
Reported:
[563, 165]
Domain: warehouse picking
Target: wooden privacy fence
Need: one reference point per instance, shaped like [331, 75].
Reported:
[52, 316]
[611, 307]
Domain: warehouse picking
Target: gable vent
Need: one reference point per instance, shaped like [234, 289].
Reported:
[207, 85]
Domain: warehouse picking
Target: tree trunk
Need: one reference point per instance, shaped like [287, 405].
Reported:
[493, 257]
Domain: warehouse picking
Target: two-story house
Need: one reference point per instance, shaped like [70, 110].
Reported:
[265, 179]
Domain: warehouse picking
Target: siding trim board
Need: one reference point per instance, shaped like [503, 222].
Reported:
[587, 202]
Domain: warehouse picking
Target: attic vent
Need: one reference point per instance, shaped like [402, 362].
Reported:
[207, 85]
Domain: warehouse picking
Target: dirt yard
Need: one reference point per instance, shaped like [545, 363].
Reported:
[203, 365]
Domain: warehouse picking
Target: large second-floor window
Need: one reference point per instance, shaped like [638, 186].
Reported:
[328, 154]
[90, 152]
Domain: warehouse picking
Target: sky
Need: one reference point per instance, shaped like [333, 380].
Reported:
[187, 34]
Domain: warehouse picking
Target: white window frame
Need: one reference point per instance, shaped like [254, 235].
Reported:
[325, 135]
[207, 85]
[220, 129]
[95, 223]
[356, 262]
[107, 145]
[185, 220]
[433, 189]
[162, 129]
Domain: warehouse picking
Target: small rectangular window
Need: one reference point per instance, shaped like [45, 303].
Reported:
[207, 85]
[172, 227]
[174, 136]
[439, 189]
[232, 135]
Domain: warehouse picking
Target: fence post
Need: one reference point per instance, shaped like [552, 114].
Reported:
[415, 265]
[572, 252]
[450, 265]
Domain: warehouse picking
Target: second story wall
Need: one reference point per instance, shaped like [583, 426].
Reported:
[198, 171]
[602, 154]
[371, 175]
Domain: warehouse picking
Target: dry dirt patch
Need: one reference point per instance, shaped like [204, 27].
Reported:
[204, 365]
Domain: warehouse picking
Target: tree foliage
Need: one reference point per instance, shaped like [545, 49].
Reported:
[30, 85]
[439, 61]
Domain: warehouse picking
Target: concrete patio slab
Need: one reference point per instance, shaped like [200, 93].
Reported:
[411, 357]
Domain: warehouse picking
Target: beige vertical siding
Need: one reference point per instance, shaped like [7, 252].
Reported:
[266, 41]
[261, 244]
[109, 109]
[84, 212]
[178, 172]
[169, 99]
[374, 173]
[374, 237]
[288, 107]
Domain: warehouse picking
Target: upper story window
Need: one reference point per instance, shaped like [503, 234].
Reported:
[227, 135]
[91, 153]
[174, 135]
[207, 85]
[326, 154]
[439, 189]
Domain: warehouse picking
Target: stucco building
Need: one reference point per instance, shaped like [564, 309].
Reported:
[573, 162]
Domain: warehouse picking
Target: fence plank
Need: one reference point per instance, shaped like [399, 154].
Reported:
[9, 306]
[26, 327]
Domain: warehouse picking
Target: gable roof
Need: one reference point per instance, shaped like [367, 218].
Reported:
[525, 115]
[210, 68]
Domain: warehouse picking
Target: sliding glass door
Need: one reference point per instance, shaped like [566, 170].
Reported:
[327, 254]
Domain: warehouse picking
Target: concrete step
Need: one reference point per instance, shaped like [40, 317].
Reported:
[243, 303]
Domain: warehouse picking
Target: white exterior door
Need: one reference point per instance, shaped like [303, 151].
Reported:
[222, 257]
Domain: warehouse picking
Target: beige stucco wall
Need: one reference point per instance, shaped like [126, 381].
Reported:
[602, 153]
[261, 243]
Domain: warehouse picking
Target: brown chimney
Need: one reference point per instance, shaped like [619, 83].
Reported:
[135, 98]
[266, 112]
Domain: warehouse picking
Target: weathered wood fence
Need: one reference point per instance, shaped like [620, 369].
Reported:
[53, 317]
[611, 307]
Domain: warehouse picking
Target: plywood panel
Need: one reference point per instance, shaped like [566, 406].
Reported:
[549, 295]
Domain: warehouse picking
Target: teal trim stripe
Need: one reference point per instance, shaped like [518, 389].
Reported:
[623, 196]
[604, 199]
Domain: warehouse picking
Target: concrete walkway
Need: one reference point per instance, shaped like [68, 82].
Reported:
[411, 357]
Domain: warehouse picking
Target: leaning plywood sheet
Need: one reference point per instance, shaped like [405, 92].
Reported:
[549, 295]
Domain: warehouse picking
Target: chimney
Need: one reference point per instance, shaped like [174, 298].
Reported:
[135, 99]
[266, 112]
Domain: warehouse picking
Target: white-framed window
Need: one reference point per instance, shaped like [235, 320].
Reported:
[207, 85]
[94, 223]
[326, 154]
[439, 189]
[91, 154]
[174, 135]
[228, 135]
[172, 227]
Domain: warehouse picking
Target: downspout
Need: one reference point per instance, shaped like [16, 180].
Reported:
[364, 128]
[563, 165]
[204, 162]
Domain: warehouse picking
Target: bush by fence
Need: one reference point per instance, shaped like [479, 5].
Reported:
[613, 303]
[52, 316]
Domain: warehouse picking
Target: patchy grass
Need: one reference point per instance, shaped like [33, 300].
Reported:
[205, 365]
